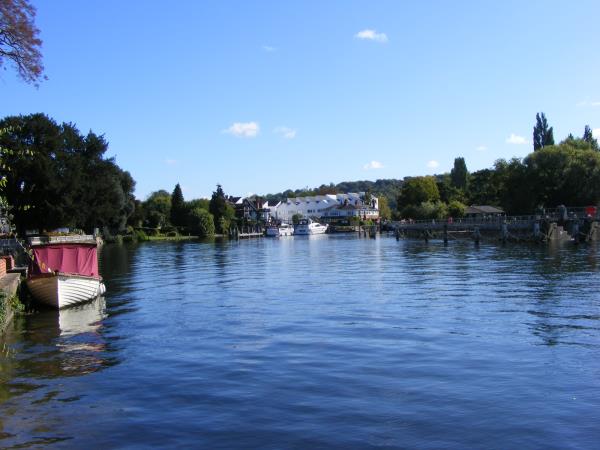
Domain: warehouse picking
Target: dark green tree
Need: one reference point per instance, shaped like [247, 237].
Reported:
[223, 213]
[157, 208]
[542, 135]
[588, 137]
[57, 177]
[178, 207]
[459, 175]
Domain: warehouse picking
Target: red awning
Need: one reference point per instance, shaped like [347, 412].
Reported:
[80, 259]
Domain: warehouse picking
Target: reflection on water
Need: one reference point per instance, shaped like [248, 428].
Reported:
[315, 342]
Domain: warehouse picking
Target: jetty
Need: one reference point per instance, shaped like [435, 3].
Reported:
[560, 224]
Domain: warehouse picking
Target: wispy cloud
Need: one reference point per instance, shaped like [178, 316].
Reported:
[373, 165]
[596, 133]
[285, 132]
[371, 35]
[269, 49]
[433, 164]
[585, 103]
[481, 148]
[243, 129]
[170, 162]
[515, 139]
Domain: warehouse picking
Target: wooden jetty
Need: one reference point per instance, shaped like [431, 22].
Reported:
[569, 224]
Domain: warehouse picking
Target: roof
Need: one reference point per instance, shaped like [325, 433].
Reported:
[483, 209]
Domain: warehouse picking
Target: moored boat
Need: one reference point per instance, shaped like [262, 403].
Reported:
[308, 227]
[280, 230]
[63, 274]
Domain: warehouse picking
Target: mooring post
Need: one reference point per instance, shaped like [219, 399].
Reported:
[476, 235]
[504, 232]
[397, 233]
[575, 231]
[536, 230]
[426, 234]
[445, 234]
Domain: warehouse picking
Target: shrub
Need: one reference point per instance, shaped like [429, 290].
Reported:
[201, 223]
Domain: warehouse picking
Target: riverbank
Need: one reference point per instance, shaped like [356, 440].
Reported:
[9, 299]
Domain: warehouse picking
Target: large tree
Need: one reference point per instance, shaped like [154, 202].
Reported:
[57, 177]
[459, 175]
[178, 207]
[542, 134]
[418, 190]
[222, 211]
[19, 40]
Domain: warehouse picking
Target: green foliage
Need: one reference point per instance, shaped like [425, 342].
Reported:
[178, 207]
[483, 188]
[223, 213]
[431, 210]
[563, 174]
[57, 177]
[459, 175]
[296, 218]
[542, 135]
[140, 236]
[418, 190]
[9, 303]
[157, 208]
[447, 190]
[456, 209]
[385, 213]
[201, 222]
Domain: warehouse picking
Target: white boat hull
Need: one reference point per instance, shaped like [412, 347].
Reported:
[60, 291]
[307, 231]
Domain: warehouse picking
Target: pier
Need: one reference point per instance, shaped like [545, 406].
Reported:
[562, 224]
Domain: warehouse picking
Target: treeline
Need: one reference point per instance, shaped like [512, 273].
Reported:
[564, 174]
[53, 176]
[169, 213]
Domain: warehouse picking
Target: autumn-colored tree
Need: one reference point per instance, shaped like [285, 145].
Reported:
[19, 41]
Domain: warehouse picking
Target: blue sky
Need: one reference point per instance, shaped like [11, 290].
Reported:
[267, 95]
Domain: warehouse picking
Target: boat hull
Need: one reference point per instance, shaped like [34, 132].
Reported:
[61, 291]
[307, 231]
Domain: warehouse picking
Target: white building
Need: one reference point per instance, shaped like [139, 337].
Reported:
[329, 205]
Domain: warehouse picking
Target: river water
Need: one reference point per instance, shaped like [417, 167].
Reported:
[320, 342]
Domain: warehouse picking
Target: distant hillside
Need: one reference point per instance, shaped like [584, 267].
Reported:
[389, 189]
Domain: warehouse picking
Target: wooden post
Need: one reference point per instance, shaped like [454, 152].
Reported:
[445, 234]
[575, 231]
[476, 235]
[504, 233]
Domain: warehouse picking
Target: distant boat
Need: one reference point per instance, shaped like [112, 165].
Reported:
[308, 227]
[280, 230]
[64, 273]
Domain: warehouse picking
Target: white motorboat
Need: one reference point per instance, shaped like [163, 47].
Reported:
[280, 230]
[308, 227]
[64, 274]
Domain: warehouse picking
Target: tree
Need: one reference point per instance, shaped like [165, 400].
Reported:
[542, 135]
[459, 175]
[588, 137]
[418, 190]
[158, 209]
[385, 213]
[223, 213]
[178, 208]
[56, 177]
[19, 41]
[201, 222]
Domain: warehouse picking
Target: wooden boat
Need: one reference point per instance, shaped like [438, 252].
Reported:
[63, 274]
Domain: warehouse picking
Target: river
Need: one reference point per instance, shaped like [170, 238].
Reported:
[321, 342]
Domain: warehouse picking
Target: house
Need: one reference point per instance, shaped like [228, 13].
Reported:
[483, 211]
[329, 205]
[250, 208]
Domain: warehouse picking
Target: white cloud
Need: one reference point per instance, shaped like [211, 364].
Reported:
[596, 133]
[268, 48]
[584, 103]
[516, 139]
[170, 162]
[433, 164]
[373, 165]
[243, 129]
[481, 148]
[371, 35]
[286, 132]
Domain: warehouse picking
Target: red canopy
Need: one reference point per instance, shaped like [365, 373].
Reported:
[80, 259]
